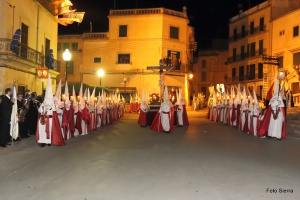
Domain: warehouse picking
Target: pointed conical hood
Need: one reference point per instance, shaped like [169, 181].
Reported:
[67, 95]
[80, 92]
[99, 97]
[244, 95]
[93, 95]
[255, 98]
[58, 91]
[250, 95]
[276, 90]
[67, 99]
[74, 95]
[48, 100]
[177, 97]
[166, 94]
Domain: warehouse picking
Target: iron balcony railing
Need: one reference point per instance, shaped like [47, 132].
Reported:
[249, 32]
[249, 55]
[25, 53]
[236, 79]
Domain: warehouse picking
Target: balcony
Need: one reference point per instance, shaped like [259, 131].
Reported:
[25, 53]
[245, 78]
[241, 57]
[103, 35]
[250, 32]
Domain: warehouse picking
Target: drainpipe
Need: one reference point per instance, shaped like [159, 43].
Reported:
[37, 31]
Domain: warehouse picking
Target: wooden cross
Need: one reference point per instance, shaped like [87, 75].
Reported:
[162, 66]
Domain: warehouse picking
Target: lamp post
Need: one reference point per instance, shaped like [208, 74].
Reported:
[100, 74]
[67, 57]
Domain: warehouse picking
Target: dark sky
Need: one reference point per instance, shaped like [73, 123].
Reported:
[208, 17]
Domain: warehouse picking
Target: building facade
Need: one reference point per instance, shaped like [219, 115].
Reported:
[286, 47]
[210, 69]
[137, 39]
[249, 40]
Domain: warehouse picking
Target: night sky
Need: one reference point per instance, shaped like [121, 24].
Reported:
[208, 17]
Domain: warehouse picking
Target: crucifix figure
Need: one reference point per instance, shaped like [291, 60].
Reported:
[161, 67]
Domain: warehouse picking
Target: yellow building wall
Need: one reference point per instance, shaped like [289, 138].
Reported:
[41, 25]
[284, 44]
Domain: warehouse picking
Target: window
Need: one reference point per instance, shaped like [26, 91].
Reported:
[241, 73]
[243, 52]
[74, 46]
[47, 46]
[296, 58]
[235, 34]
[251, 72]
[260, 70]
[252, 49]
[295, 31]
[262, 24]
[234, 54]
[70, 67]
[203, 78]
[123, 58]
[97, 60]
[243, 31]
[174, 59]
[261, 47]
[66, 46]
[233, 72]
[174, 32]
[123, 31]
[203, 63]
[251, 27]
[24, 41]
[58, 46]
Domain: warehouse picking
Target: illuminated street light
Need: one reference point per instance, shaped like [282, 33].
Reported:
[100, 74]
[67, 57]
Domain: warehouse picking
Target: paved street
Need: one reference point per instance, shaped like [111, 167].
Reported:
[206, 160]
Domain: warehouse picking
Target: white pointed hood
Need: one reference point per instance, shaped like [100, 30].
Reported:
[166, 94]
[75, 104]
[255, 98]
[67, 96]
[48, 100]
[58, 92]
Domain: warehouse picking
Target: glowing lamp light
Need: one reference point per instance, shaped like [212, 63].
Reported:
[281, 74]
[191, 75]
[42, 72]
[67, 55]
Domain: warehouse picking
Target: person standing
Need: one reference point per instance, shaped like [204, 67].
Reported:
[21, 113]
[6, 109]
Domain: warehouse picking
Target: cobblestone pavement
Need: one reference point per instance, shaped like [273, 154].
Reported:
[123, 161]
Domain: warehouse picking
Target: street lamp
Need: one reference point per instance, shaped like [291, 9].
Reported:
[100, 74]
[67, 57]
